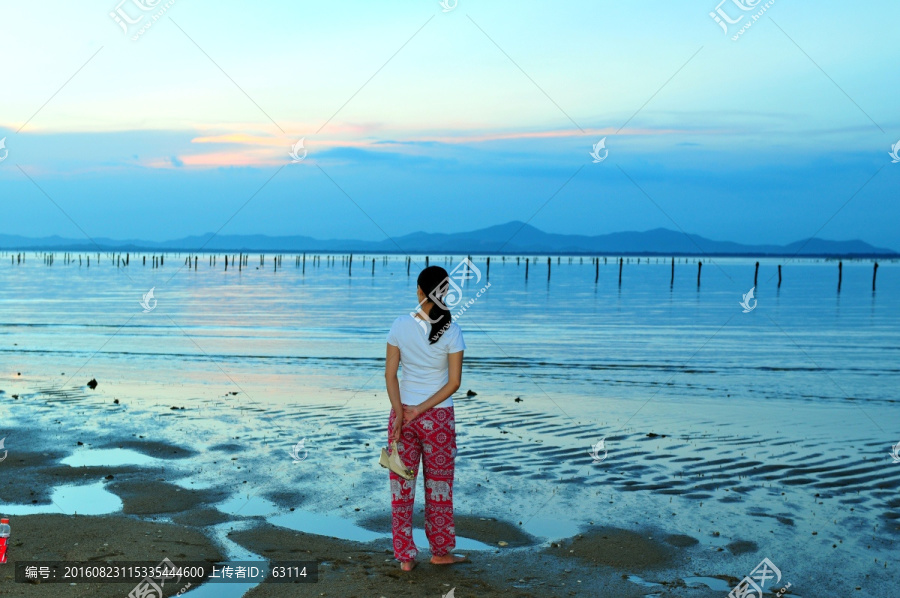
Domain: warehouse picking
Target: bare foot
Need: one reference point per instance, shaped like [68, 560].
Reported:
[407, 565]
[449, 559]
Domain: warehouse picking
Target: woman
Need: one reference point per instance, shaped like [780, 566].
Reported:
[430, 347]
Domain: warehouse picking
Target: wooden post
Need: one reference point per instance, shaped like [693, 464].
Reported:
[304, 264]
[699, 267]
[840, 274]
[145, 260]
[672, 278]
[621, 261]
[226, 263]
[489, 267]
[350, 268]
[596, 270]
[548, 269]
[755, 274]
[779, 276]
[162, 259]
[275, 264]
[527, 260]
[874, 274]
[426, 261]
[373, 266]
[408, 262]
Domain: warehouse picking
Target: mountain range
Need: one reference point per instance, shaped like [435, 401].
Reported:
[510, 238]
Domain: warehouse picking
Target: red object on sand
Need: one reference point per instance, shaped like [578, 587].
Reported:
[4, 539]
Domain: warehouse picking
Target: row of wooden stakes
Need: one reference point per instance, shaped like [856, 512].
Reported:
[242, 261]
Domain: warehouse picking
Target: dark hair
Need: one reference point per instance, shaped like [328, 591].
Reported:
[432, 281]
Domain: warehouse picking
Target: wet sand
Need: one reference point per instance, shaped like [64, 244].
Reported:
[97, 539]
[670, 513]
[161, 519]
[354, 569]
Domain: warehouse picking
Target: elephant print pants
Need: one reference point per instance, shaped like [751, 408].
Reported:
[430, 437]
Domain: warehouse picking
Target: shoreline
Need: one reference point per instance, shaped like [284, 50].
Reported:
[683, 536]
[159, 518]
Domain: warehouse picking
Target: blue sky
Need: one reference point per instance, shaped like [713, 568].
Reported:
[450, 121]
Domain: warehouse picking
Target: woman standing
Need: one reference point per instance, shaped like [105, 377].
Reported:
[430, 347]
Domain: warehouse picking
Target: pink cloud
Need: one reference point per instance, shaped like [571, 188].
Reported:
[254, 149]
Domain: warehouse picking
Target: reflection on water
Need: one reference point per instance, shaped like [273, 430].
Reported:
[323, 524]
[87, 457]
[773, 420]
[713, 583]
[92, 499]
[290, 335]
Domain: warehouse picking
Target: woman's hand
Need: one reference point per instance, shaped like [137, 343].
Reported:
[410, 413]
[395, 432]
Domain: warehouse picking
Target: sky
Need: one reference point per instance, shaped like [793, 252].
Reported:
[417, 119]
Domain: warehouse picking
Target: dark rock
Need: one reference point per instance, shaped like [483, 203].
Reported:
[92, 384]
[471, 393]
[116, 401]
[519, 399]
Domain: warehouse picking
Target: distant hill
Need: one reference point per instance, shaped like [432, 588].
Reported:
[509, 238]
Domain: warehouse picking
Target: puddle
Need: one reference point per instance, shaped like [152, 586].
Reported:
[332, 526]
[191, 483]
[551, 529]
[93, 499]
[108, 457]
[713, 583]
[254, 506]
[233, 552]
[643, 582]
[327, 525]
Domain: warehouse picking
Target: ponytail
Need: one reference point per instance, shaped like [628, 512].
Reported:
[433, 282]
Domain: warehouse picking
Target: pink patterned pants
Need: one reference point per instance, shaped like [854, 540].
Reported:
[430, 437]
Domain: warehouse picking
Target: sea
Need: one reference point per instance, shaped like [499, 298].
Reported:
[742, 399]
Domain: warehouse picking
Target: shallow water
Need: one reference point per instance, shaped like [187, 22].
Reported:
[299, 335]
[109, 457]
[89, 499]
[712, 583]
[324, 525]
[764, 426]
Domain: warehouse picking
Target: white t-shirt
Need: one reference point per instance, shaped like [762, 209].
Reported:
[425, 368]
